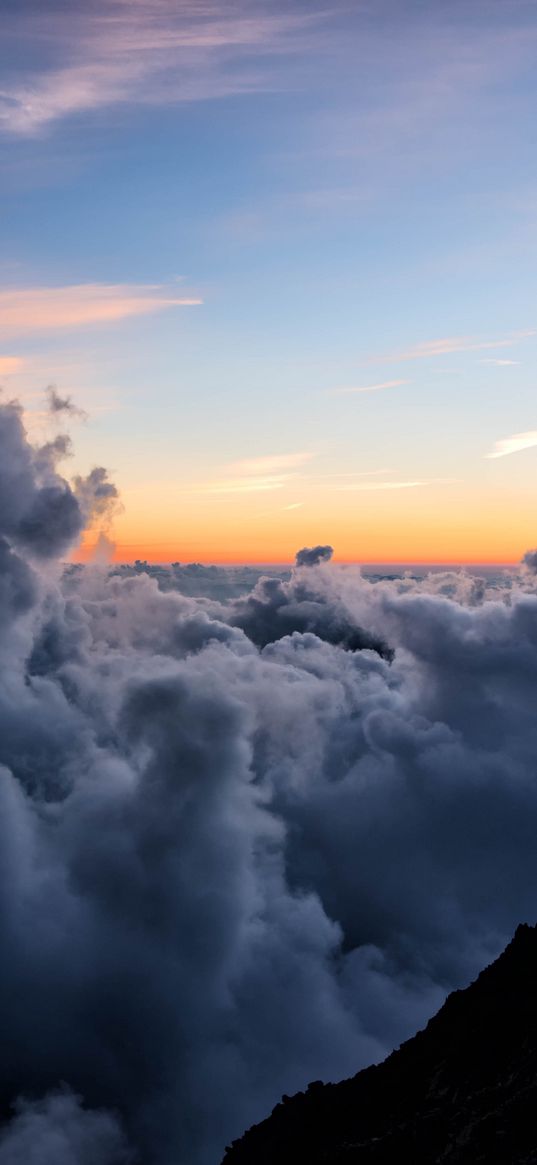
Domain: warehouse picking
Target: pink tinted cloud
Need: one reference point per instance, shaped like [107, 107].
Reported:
[39, 309]
[428, 349]
[148, 53]
[10, 364]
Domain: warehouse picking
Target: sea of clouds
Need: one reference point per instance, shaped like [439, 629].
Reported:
[252, 829]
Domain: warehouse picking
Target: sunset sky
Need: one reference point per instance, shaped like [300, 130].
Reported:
[283, 255]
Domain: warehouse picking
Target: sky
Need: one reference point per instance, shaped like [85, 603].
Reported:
[282, 258]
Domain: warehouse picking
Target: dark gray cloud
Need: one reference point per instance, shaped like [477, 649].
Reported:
[39, 513]
[63, 406]
[276, 607]
[236, 855]
[96, 494]
[530, 560]
[313, 555]
[58, 1130]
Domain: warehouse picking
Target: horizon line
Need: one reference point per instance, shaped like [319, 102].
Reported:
[218, 561]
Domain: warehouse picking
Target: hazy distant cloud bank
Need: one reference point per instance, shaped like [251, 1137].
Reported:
[247, 840]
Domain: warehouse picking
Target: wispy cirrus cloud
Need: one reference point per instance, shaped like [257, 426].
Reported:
[245, 485]
[142, 53]
[42, 309]
[429, 349]
[514, 444]
[499, 363]
[373, 486]
[348, 390]
[257, 474]
[272, 463]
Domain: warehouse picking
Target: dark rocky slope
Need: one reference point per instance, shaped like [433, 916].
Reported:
[462, 1090]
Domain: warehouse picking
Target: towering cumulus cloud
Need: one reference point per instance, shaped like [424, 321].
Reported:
[245, 842]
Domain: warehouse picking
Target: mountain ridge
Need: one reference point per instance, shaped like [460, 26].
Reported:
[462, 1090]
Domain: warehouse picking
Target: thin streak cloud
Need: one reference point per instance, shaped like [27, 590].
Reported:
[257, 474]
[499, 363]
[428, 349]
[348, 391]
[38, 309]
[272, 463]
[514, 444]
[371, 486]
[244, 485]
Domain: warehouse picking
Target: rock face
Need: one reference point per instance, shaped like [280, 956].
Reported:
[462, 1090]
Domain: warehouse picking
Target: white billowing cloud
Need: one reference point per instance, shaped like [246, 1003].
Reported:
[250, 834]
[40, 309]
[514, 444]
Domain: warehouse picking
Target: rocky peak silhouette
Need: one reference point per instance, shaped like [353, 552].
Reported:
[463, 1090]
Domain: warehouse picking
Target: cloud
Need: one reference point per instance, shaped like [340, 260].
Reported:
[272, 463]
[257, 474]
[367, 388]
[499, 363]
[39, 513]
[277, 608]
[530, 561]
[429, 349]
[372, 486]
[9, 364]
[244, 485]
[312, 556]
[247, 839]
[514, 444]
[143, 53]
[40, 309]
[57, 1128]
[61, 406]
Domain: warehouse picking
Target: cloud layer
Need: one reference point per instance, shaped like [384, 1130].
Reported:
[248, 840]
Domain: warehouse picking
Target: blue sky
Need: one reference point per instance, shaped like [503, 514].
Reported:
[348, 194]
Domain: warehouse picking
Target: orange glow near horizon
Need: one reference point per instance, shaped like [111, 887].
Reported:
[450, 526]
[157, 556]
[260, 550]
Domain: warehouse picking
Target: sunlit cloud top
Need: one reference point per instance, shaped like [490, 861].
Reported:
[514, 444]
